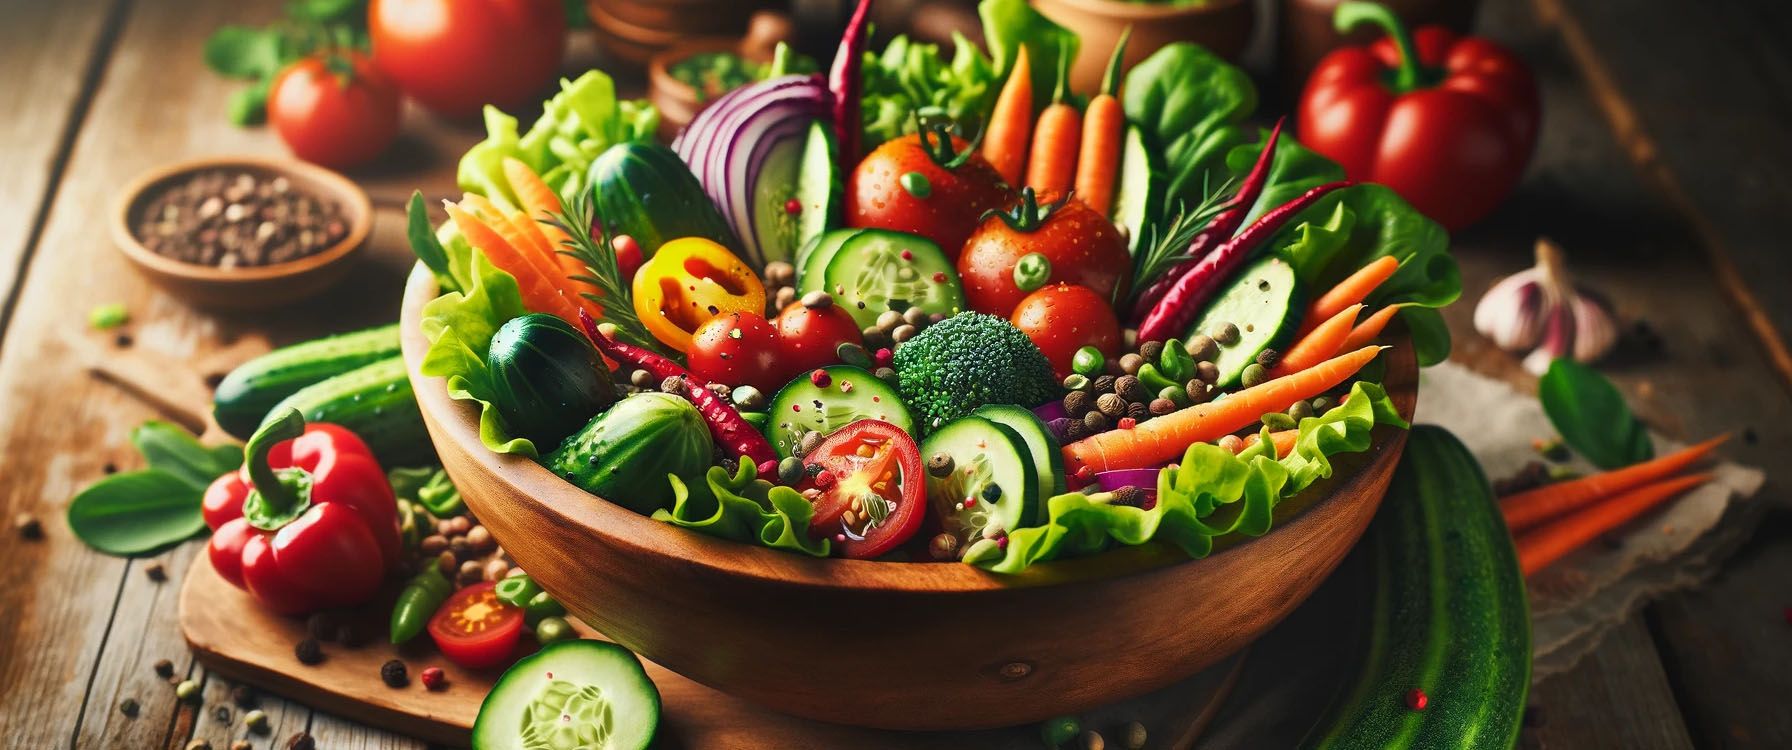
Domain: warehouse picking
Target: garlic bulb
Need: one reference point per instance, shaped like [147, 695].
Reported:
[1540, 309]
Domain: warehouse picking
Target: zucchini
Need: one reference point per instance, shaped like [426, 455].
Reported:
[645, 191]
[243, 398]
[376, 403]
[1449, 615]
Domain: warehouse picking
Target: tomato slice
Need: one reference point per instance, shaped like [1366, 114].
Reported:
[871, 495]
[476, 630]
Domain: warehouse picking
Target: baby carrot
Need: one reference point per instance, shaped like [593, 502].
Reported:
[494, 217]
[1051, 166]
[1319, 344]
[1365, 332]
[1353, 289]
[541, 203]
[1011, 122]
[1546, 544]
[1165, 438]
[1532, 507]
[538, 293]
[1098, 163]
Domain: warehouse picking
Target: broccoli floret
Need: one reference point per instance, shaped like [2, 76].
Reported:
[967, 361]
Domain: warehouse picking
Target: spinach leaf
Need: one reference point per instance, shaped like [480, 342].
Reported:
[173, 451]
[137, 512]
[1191, 104]
[1591, 415]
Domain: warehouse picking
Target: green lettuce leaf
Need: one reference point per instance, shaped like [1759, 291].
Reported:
[743, 508]
[460, 326]
[909, 77]
[575, 126]
[1210, 493]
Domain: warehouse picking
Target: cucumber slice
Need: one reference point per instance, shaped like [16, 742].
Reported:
[851, 394]
[983, 454]
[1265, 301]
[579, 693]
[813, 258]
[776, 230]
[818, 186]
[1042, 447]
[1136, 195]
[877, 270]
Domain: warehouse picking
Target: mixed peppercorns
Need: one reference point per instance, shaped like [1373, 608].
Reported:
[235, 219]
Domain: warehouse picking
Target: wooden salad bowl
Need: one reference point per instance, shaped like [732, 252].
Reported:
[902, 645]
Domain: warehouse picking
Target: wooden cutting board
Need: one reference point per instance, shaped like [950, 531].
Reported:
[236, 638]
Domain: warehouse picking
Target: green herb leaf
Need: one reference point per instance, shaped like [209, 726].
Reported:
[425, 244]
[1591, 415]
[137, 512]
[244, 52]
[174, 451]
[108, 316]
[1192, 105]
[324, 11]
[250, 105]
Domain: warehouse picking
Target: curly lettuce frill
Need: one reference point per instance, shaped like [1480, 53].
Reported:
[460, 326]
[1210, 493]
[743, 508]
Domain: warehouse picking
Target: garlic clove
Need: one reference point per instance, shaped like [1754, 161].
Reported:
[1509, 312]
[1540, 309]
[1595, 329]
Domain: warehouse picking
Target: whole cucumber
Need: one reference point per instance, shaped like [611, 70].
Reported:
[374, 402]
[243, 398]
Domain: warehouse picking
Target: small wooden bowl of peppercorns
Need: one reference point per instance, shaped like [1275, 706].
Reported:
[242, 232]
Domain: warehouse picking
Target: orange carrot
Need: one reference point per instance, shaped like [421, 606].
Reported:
[1165, 438]
[494, 217]
[538, 292]
[1319, 344]
[1011, 122]
[1098, 163]
[1051, 165]
[1532, 507]
[1284, 441]
[1365, 332]
[541, 203]
[1546, 544]
[1353, 289]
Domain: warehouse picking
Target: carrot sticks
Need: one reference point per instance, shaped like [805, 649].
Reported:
[1353, 289]
[1011, 123]
[1319, 344]
[1533, 507]
[539, 292]
[1365, 332]
[1546, 544]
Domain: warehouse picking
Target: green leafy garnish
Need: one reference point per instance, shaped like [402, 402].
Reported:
[601, 269]
[910, 77]
[743, 508]
[579, 123]
[426, 245]
[146, 511]
[1210, 493]
[258, 53]
[1591, 415]
[460, 326]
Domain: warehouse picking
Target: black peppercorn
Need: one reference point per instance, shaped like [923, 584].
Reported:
[1095, 421]
[129, 707]
[1138, 411]
[1129, 496]
[394, 675]
[1103, 384]
[1268, 358]
[164, 668]
[309, 652]
[321, 626]
[243, 696]
[1151, 350]
[1076, 404]
[301, 741]
[1129, 388]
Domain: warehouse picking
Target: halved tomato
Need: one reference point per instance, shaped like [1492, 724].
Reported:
[476, 630]
[872, 494]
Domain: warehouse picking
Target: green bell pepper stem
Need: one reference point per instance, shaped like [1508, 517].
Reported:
[279, 492]
[1352, 13]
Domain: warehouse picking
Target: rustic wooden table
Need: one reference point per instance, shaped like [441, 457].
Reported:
[1663, 168]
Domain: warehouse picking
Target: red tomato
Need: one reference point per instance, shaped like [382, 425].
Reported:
[873, 469]
[334, 109]
[738, 349]
[455, 56]
[946, 211]
[1062, 318]
[1083, 247]
[476, 630]
[811, 337]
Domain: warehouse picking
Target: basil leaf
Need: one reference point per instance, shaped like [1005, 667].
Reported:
[136, 512]
[422, 234]
[1591, 415]
[173, 451]
[322, 11]
[243, 52]
[250, 106]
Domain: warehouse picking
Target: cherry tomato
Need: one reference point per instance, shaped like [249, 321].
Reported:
[476, 630]
[455, 56]
[1062, 318]
[1081, 246]
[334, 109]
[811, 337]
[874, 495]
[901, 186]
[738, 348]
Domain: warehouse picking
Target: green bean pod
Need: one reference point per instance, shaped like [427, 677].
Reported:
[418, 602]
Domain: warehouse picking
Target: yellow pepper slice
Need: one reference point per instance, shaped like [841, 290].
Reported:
[689, 281]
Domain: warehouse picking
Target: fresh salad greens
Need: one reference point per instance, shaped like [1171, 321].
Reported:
[1192, 105]
[1591, 415]
[743, 508]
[910, 77]
[460, 326]
[1210, 493]
[145, 511]
[575, 126]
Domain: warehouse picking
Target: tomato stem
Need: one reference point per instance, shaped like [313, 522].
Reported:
[1410, 73]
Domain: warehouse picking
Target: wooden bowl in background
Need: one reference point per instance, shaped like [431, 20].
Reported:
[678, 101]
[247, 287]
[901, 645]
[1222, 26]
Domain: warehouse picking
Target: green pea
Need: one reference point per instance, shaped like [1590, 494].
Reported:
[916, 184]
[1060, 730]
[1076, 381]
[1175, 394]
[1088, 361]
[1278, 421]
[1175, 361]
[1032, 271]
[552, 629]
[1254, 375]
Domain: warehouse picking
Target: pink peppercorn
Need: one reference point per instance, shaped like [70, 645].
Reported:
[434, 678]
[883, 356]
[1127, 423]
[819, 378]
[793, 207]
[1417, 700]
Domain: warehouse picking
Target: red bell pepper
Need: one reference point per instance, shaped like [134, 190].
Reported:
[309, 522]
[1448, 122]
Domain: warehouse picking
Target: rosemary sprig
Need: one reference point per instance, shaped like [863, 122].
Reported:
[602, 271]
[1165, 244]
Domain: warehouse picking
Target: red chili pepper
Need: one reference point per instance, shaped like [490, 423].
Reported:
[1179, 306]
[1448, 122]
[1219, 228]
[847, 86]
[309, 522]
[726, 426]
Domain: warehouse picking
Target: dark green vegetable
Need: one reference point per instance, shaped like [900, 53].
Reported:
[421, 233]
[141, 512]
[417, 602]
[428, 486]
[1448, 616]
[374, 402]
[1591, 415]
[245, 396]
[625, 454]
[541, 606]
[966, 361]
[645, 191]
[552, 629]
[547, 378]
[259, 54]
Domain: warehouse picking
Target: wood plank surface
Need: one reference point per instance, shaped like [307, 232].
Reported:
[1619, 698]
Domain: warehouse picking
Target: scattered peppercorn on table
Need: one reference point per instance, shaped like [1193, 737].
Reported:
[92, 651]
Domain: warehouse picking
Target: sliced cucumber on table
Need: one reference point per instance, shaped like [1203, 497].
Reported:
[1265, 300]
[243, 398]
[1042, 447]
[575, 694]
[984, 455]
[851, 394]
[1136, 194]
[876, 270]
